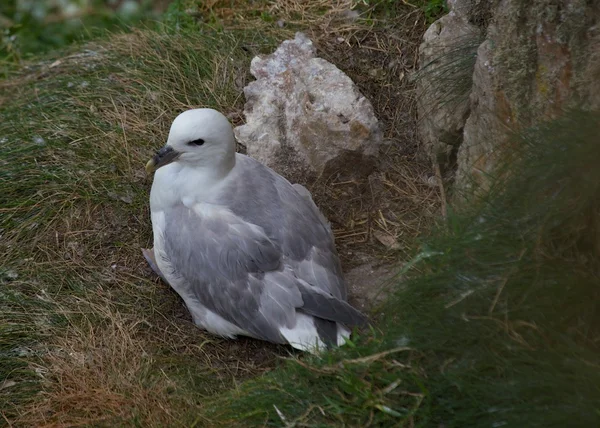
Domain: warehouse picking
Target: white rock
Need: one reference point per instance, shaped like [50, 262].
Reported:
[305, 117]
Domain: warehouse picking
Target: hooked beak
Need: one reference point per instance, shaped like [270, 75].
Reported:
[163, 157]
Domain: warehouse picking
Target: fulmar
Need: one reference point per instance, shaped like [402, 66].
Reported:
[249, 253]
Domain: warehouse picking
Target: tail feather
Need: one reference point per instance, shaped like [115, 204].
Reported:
[327, 331]
[322, 305]
[151, 259]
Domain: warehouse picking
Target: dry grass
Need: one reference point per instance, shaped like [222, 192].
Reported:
[99, 374]
[114, 366]
[122, 349]
[109, 368]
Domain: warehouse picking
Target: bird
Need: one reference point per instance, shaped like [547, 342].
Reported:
[249, 253]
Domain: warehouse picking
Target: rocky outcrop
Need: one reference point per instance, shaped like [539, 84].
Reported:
[446, 58]
[306, 118]
[538, 58]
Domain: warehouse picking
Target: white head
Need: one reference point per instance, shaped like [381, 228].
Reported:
[201, 138]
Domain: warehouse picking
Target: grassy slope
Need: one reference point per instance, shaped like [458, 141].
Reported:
[501, 328]
[85, 336]
[75, 300]
[81, 321]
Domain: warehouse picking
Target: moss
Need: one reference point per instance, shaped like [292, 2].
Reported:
[541, 80]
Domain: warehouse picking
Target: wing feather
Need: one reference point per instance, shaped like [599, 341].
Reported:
[238, 275]
[256, 255]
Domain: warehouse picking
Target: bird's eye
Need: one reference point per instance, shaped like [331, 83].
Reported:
[197, 142]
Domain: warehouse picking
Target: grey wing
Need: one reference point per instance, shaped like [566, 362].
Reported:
[303, 191]
[315, 256]
[289, 218]
[233, 269]
[308, 269]
[227, 265]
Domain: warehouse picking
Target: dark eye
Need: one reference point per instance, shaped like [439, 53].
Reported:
[197, 142]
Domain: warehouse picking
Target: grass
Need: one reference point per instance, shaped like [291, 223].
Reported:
[432, 9]
[499, 325]
[87, 335]
[76, 134]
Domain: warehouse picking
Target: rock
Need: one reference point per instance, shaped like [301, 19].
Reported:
[369, 285]
[386, 239]
[446, 58]
[306, 118]
[484, 128]
[539, 59]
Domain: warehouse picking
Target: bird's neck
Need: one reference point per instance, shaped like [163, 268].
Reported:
[178, 182]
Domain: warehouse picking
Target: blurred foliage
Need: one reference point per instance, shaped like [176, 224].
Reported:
[33, 26]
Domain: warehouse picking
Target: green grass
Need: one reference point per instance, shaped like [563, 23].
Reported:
[432, 9]
[75, 135]
[500, 327]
